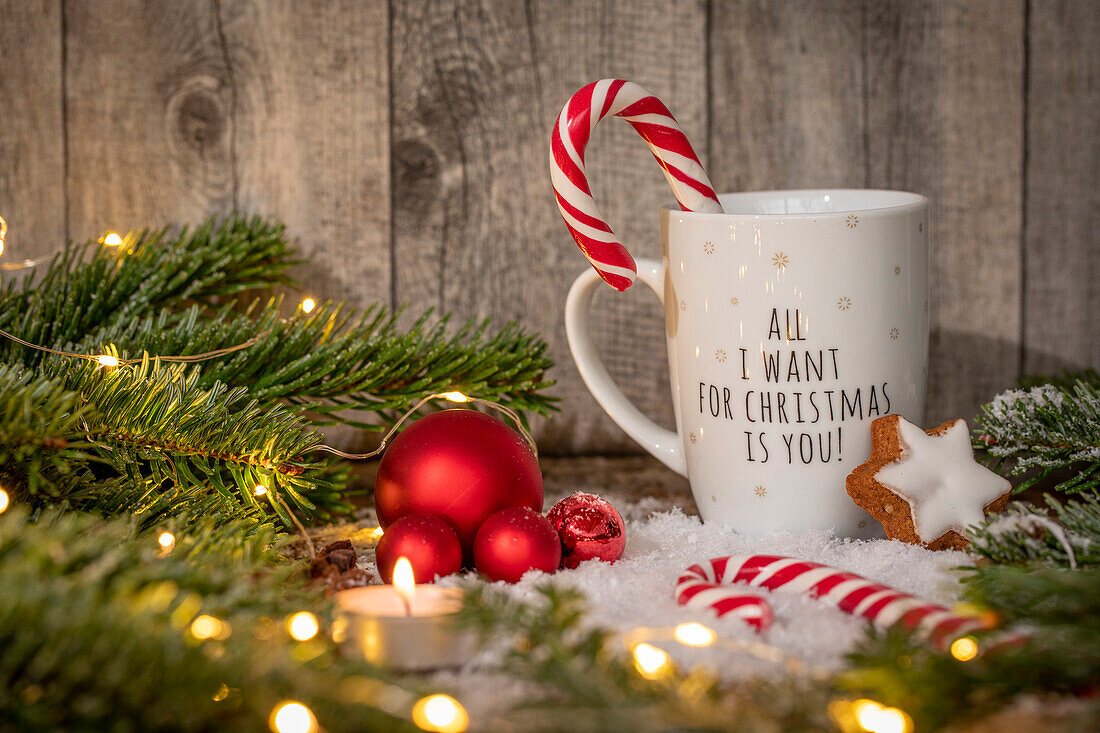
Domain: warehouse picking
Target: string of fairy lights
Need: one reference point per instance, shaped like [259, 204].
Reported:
[442, 713]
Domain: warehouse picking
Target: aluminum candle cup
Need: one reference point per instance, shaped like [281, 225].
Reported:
[426, 638]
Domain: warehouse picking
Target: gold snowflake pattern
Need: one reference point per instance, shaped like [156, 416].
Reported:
[897, 270]
[719, 355]
[852, 221]
[692, 438]
[862, 523]
[708, 247]
[844, 303]
[780, 260]
[894, 333]
[760, 491]
[683, 305]
[734, 301]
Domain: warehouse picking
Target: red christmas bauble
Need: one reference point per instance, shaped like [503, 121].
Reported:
[589, 528]
[513, 541]
[429, 542]
[460, 464]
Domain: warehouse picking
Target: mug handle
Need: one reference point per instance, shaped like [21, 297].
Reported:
[663, 444]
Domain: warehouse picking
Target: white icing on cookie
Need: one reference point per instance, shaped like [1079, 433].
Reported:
[937, 475]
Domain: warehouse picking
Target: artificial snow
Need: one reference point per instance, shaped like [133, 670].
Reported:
[638, 591]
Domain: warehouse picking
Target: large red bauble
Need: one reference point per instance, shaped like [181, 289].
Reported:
[429, 542]
[513, 541]
[590, 529]
[460, 464]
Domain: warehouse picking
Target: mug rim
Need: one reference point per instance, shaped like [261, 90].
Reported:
[917, 201]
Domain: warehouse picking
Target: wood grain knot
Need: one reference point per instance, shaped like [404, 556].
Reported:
[200, 120]
[416, 176]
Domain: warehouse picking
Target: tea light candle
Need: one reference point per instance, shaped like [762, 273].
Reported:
[406, 626]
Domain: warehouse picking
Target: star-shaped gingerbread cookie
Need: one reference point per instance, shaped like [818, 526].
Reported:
[925, 486]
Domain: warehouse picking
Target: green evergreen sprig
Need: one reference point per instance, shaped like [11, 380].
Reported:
[90, 286]
[1044, 430]
[586, 679]
[95, 634]
[1066, 535]
[1061, 653]
[355, 368]
[41, 443]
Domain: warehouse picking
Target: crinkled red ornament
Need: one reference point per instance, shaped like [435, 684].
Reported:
[429, 542]
[462, 465]
[589, 528]
[513, 541]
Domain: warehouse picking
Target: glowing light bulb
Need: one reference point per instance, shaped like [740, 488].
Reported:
[302, 626]
[107, 360]
[259, 490]
[167, 540]
[693, 634]
[112, 239]
[455, 397]
[964, 649]
[874, 717]
[292, 717]
[650, 661]
[377, 532]
[4, 501]
[440, 713]
[308, 304]
[3, 233]
[207, 627]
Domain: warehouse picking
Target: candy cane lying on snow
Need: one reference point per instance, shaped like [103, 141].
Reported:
[652, 120]
[703, 584]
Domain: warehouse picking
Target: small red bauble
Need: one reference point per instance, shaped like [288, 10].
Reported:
[513, 541]
[429, 542]
[460, 464]
[589, 528]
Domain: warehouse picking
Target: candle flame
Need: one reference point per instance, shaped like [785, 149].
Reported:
[404, 582]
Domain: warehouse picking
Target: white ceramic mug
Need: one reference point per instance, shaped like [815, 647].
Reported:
[793, 320]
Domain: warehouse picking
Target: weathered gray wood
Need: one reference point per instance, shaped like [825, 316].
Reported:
[310, 88]
[476, 88]
[150, 114]
[945, 99]
[787, 94]
[1062, 233]
[32, 137]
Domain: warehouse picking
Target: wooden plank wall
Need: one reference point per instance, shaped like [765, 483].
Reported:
[404, 143]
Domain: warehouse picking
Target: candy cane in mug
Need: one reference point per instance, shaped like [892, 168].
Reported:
[883, 606]
[651, 119]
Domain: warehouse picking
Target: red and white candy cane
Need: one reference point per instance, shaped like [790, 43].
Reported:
[880, 604]
[651, 119]
[703, 586]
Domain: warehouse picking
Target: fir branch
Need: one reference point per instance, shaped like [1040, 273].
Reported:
[336, 362]
[91, 286]
[95, 634]
[587, 681]
[41, 450]
[1053, 607]
[1044, 430]
[1068, 535]
[147, 440]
